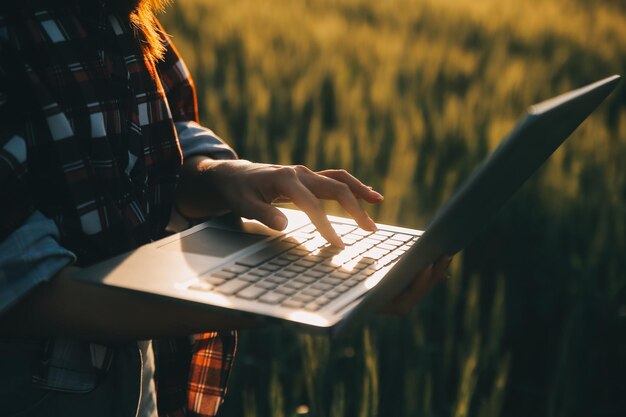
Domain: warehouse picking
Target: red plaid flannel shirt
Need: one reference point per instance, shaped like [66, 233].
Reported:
[87, 138]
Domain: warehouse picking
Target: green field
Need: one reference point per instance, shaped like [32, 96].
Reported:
[410, 95]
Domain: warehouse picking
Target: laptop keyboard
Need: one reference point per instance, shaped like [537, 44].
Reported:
[302, 271]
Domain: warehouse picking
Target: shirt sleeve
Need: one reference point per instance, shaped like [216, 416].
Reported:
[15, 200]
[198, 140]
[29, 256]
[30, 252]
[181, 97]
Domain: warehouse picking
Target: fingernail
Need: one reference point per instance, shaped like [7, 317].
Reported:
[280, 222]
[378, 196]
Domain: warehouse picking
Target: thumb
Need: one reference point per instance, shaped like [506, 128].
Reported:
[268, 215]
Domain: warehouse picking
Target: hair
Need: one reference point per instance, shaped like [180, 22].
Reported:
[141, 14]
[143, 18]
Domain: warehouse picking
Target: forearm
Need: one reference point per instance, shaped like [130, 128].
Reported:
[66, 307]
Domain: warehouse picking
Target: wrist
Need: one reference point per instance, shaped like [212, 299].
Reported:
[197, 192]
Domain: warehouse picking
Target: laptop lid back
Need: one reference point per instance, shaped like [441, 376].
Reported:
[457, 223]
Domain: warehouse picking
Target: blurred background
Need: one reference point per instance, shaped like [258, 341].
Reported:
[409, 95]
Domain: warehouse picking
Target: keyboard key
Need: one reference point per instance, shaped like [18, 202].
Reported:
[289, 257]
[361, 232]
[295, 268]
[323, 268]
[305, 263]
[265, 254]
[250, 278]
[322, 301]
[214, 280]
[293, 239]
[201, 286]
[384, 233]
[312, 292]
[303, 298]
[402, 238]
[394, 243]
[348, 241]
[312, 307]
[251, 293]
[272, 298]
[286, 274]
[299, 252]
[286, 290]
[343, 229]
[277, 280]
[278, 262]
[308, 229]
[223, 274]
[293, 304]
[333, 294]
[315, 274]
[340, 275]
[377, 237]
[305, 279]
[329, 251]
[386, 246]
[370, 242]
[303, 236]
[270, 267]
[331, 281]
[295, 285]
[267, 285]
[375, 253]
[352, 236]
[323, 287]
[369, 271]
[314, 244]
[237, 269]
[314, 258]
[259, 273]
[231, 287]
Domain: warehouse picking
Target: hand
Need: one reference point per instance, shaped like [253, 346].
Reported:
[419, 287]
[249, 189]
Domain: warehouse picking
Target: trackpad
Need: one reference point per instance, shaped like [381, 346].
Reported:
[214, 242]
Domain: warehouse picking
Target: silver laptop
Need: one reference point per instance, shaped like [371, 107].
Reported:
[295, 276]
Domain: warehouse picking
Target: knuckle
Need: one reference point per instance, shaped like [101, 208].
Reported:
[287, 171]
[301, 168]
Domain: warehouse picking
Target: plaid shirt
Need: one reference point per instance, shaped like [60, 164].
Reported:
[87, 138]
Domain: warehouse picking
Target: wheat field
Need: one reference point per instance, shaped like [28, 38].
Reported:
[410, 95]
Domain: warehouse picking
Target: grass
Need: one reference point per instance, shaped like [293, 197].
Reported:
[410, 95]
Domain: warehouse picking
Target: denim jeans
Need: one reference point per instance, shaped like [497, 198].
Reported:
[117, 393]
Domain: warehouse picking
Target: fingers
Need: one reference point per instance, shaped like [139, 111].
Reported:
[309, 203]
[331, 189]
[441, 268]
[266, 214]
[426, 279]
[359, 189]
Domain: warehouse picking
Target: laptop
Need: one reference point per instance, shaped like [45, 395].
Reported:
[244, 268]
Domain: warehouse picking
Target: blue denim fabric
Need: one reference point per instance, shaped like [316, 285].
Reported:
[116, 395]
[29, 256]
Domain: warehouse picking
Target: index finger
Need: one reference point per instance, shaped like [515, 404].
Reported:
[311, 205]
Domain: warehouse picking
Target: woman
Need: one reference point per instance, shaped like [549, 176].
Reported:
[99, 145]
